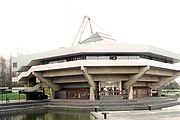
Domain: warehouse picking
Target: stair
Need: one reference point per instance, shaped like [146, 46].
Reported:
[99, 104]
[111, 97]
[32, 89]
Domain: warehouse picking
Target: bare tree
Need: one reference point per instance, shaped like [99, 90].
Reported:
[5, 72]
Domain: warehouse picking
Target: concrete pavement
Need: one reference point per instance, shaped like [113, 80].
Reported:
[13, 101]
[171, 113]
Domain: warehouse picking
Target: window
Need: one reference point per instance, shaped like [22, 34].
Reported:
[113, 57]
[14, 64]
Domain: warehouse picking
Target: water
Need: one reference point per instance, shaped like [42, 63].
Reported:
[170, 113]
[49, 115]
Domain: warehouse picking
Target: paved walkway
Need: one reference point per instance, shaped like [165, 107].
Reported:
[12, 101]
[171, 113]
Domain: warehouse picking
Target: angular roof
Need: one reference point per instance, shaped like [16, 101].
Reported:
[99, 37]
[97, 43]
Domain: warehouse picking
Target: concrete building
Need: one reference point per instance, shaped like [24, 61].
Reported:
[98, 67]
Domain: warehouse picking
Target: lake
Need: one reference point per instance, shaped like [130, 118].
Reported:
[170, 113]
[49, 115]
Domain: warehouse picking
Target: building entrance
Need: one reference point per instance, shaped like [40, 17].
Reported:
[109, 88]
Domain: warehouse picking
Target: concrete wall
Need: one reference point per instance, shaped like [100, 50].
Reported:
[75, 85]
[60, 95]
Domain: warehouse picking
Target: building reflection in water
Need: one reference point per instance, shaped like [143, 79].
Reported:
[50, 115]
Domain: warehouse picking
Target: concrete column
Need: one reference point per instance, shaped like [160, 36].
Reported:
[47, 81]
[52, 93]
[92, 94]
[159, 91]
[130, 93]
[163, 80]
[120, 87]
[134, 78]
[90, 82]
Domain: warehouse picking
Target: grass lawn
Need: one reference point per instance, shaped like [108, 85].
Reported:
[12, 96]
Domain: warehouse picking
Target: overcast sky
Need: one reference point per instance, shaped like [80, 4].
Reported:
[39, 25]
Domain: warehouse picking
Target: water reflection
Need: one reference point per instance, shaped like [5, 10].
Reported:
[50, 115]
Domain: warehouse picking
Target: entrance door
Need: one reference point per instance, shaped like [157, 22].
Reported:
[109, 88]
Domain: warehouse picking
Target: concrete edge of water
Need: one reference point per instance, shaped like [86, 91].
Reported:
[94, 115]
[45, 105]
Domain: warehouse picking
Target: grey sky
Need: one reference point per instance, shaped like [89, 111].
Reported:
[38, 25]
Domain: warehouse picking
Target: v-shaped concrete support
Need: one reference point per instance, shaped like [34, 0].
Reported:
[90, 82]
[88, 77]
[163, 80]
[47, 81]
[134, 78]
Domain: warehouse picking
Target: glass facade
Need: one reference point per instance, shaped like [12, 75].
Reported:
[105, 57]
[109, 88]
[90, 57]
